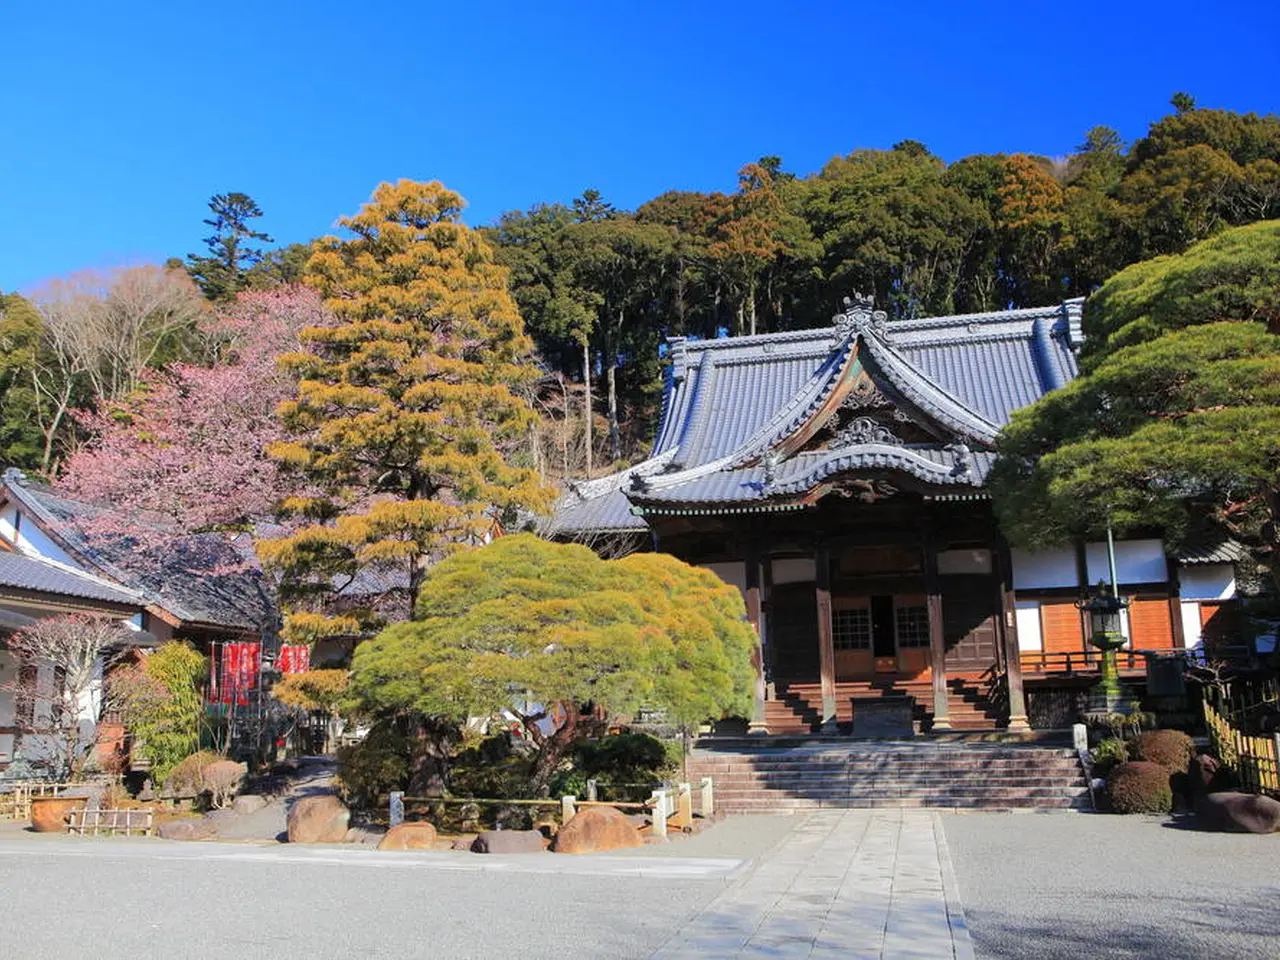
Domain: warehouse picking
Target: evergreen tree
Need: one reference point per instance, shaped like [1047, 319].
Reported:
[1176, 416]
[410, 412]
[224, 271]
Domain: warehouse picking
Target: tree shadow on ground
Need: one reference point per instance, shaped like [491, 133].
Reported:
[1198, 925]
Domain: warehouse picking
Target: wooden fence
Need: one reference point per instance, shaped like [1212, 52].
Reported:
[15, 804]
[87, 823]
[1254, 759]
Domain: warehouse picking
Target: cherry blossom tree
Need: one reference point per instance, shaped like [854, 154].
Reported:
[184, 452]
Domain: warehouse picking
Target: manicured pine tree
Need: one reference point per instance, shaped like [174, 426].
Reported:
[410, 413]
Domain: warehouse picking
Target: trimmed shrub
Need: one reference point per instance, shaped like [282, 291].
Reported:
[381, 762]
[1108, 755]
[185, 779]
[1172, 749]
[1140, 787]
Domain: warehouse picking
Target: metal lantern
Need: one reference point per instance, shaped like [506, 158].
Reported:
[1106, 615]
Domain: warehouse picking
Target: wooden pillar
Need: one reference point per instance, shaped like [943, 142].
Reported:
[1009, 631]
[1178, 637]
[766, 623]
[937, 638]
[757, 724]
[826, 639]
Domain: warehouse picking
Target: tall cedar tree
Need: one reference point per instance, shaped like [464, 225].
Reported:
[1176, 416]
[409, 410]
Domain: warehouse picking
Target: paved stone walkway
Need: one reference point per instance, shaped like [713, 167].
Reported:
[855, 884]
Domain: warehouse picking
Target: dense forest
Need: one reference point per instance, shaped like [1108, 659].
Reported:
[599, 288]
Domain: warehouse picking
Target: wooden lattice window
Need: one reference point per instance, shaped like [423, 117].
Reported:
[851, 629]
[911, 624]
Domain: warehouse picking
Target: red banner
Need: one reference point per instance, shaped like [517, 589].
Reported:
[240, 663]
[295, 658]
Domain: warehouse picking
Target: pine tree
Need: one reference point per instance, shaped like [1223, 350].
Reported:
[409, 413]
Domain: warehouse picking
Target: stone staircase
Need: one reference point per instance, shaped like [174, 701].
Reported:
[955, 774]
[797, 707]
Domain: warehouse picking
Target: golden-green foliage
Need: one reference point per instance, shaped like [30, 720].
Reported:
[316, 690]
[554, 621]
[160, 701]
[411, 411]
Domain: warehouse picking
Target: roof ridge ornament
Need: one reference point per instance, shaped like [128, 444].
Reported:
[859, 317]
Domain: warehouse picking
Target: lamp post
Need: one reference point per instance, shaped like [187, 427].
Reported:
[1105, 614]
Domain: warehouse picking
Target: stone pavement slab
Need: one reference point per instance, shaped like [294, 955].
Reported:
[857, 883]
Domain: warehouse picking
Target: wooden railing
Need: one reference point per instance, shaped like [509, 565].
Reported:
[1088, 662]
[1254, 759]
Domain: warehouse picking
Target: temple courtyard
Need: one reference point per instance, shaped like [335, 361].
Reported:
[874, 883]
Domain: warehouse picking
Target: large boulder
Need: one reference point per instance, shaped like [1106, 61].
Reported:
[419, 835]
[595, 829]
[509, 841]
[322, 819]
[191, 828]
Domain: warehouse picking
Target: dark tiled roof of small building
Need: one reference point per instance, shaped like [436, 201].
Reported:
[1211, 547]
[40, 576]
[731, 403]
[202, 579]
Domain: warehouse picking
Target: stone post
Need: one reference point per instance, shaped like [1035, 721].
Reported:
[395, 816]
[709, 798]
[660, 813]
[568, 808]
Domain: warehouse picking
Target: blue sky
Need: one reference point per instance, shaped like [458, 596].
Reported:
[122, 119]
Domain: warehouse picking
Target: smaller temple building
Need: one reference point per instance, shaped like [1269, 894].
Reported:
[837, 477]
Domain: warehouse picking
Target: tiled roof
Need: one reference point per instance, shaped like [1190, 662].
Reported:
[200, 579]
[31, 573]
[732, 403]
[1211, 547]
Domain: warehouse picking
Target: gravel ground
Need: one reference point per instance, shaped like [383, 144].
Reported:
[1087, 885]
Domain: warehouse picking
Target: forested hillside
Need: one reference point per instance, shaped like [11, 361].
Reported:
[599, 288]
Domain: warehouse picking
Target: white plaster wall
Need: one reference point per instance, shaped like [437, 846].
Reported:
[30, 539]
[1030, 635]
[794, 570]
[1190, 611]
[733, 573]
[1210, 581]
[1137, 561]
[1043, 569]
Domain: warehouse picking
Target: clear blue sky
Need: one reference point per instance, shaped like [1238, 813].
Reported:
[121, 119]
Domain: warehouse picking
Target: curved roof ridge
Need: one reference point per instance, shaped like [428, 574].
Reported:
[921, 390]
[600, 486]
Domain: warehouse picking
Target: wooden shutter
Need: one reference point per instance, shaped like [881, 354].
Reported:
[1150, 624]
[1060, 626]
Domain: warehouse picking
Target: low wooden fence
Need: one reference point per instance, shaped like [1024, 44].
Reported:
[669, 806]
[128, 823]
[15, 803]
[1254, 759]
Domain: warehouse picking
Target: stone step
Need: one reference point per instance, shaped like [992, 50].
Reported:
[799, 805]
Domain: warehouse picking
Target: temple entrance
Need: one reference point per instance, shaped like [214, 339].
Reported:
[793, 632]
[969, 610]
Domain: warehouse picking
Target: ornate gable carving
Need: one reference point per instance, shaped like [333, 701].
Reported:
[859, 316]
